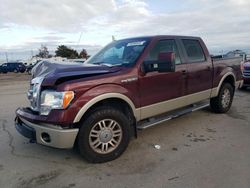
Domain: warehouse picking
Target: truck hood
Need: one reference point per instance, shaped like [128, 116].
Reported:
[58, 72]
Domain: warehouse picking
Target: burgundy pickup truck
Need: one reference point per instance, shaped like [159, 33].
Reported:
[130, 84]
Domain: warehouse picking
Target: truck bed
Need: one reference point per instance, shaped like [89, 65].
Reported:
[220, 63]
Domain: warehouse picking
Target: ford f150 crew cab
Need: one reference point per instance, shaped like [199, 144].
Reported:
[130, 84]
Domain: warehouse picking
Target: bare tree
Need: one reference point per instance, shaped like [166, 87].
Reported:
[84, 54]
[43, 52]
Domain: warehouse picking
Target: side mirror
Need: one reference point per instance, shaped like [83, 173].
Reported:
[164, 63]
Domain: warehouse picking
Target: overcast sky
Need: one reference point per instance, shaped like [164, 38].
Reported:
[26, 24]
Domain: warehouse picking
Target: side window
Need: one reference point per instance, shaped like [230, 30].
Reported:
[164, 46]
[194, 50]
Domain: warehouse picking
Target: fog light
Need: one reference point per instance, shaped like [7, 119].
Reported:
[46, 137]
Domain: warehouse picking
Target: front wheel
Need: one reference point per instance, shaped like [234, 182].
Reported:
[104, 135]
[223, 101]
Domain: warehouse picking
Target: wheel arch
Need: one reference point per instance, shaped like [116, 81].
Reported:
[107, 98]
[116, 100]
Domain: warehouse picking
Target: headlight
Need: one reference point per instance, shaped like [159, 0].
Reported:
[55, 100]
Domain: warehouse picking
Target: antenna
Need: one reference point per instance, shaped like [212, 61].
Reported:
[79, 39]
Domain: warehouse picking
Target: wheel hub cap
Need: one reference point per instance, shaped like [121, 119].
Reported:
[105, 136]
[226, 97]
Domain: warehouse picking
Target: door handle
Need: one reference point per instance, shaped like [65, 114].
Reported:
[184, 72]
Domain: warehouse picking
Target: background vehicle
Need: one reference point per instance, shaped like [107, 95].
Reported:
[130, 84]
[30, 67]
[13, 67]
[1, 69]
[246, 72]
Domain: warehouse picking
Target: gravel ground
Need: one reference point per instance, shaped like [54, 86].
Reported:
[201, 149]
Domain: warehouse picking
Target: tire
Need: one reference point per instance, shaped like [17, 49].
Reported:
[223, 102]
[97, 146]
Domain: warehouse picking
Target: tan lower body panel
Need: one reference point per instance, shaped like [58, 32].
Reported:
[239, 84]
[162, 107]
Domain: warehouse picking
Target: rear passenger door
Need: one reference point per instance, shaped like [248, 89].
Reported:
[200, 70]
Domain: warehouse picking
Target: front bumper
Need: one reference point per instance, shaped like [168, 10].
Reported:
[48, 135]
[246, 82]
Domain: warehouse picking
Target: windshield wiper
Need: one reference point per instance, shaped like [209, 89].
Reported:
[106, 64]
[98, 63]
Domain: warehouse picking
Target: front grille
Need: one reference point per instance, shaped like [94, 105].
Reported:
[33, 99]
[246, 67]
[246, 73]
[34, 93]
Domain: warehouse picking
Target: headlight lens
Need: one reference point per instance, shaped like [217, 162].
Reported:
[55, 100]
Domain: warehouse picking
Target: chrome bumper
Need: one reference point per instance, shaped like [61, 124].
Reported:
[47, 135]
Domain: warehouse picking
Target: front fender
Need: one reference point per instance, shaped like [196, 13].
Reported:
[106, 91]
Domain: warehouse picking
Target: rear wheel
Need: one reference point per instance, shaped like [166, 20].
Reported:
[223, 101]
[104, 135]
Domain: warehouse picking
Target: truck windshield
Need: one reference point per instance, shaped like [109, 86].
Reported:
[123, 52]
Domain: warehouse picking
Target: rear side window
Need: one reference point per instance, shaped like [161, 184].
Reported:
[194, 50]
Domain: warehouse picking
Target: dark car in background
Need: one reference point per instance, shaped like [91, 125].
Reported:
[13, 67]
[30, 67]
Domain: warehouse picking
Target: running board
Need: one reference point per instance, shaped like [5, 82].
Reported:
[161, 119]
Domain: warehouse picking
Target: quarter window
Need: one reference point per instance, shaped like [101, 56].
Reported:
[193, 50]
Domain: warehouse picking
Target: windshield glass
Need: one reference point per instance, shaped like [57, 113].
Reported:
[122, 52]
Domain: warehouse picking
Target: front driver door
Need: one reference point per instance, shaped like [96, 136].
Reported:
[161, 92]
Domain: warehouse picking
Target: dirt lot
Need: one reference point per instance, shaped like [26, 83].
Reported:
[201, 149]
